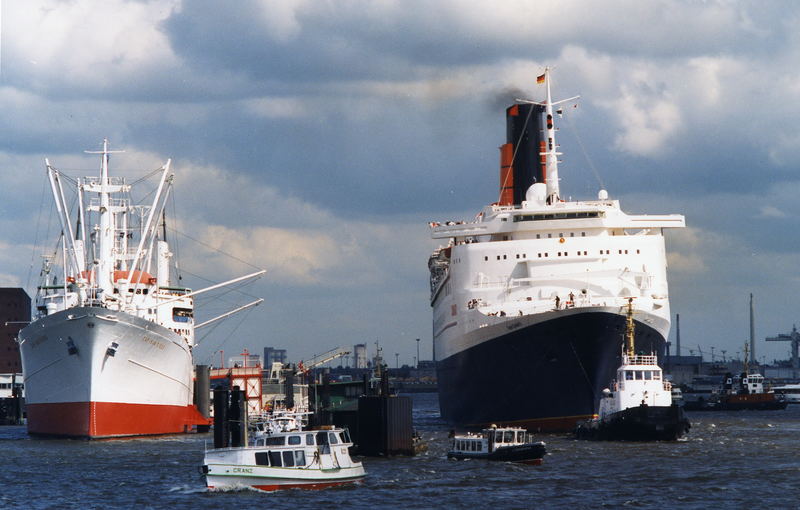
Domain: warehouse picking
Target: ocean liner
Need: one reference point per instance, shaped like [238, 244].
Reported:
[109, 353]
[529, 297]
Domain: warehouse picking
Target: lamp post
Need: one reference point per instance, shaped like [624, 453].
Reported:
[417, 363]
[397, 360]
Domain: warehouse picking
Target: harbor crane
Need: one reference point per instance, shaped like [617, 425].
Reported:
[794, 338]
[321, 359]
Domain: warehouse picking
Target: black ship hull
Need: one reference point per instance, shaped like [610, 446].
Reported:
[641, 423]
[545, 376]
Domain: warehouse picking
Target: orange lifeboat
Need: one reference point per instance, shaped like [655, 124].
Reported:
[137, 277]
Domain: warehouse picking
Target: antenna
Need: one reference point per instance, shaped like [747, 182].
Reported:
[550, 153]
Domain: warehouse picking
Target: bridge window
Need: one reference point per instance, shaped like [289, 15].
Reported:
[182, 314]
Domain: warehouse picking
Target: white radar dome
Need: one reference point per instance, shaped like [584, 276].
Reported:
[537, 193]
[602, 195]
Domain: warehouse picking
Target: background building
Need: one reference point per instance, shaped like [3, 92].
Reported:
[15, 314]
[360, 356]
[271, 355]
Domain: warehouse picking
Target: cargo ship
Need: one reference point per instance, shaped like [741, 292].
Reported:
[529, 297]
[109, 352]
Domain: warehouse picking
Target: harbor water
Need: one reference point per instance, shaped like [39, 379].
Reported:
[739, 459]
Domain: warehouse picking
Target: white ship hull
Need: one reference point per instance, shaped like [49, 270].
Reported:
[79, 384]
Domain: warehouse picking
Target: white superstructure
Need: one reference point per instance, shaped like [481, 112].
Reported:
[545, 255]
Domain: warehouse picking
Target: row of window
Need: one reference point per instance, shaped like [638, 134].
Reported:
[642, 375]
[322, 438]
[560, 254]
[469, 445]
[288, 458]
[560, 234]
[556, 216]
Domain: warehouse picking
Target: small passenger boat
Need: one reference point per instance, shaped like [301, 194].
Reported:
[510, 444]
[281, 455]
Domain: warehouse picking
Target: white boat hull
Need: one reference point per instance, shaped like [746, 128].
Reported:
[78, 384]
[235, 468]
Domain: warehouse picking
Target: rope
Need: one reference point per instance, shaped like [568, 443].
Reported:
[36, 236]
[234, 257]
[583, 369]
[585, 154]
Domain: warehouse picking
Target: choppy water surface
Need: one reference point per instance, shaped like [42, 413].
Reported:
[730, 460]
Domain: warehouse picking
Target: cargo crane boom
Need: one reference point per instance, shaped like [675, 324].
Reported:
[321, 359]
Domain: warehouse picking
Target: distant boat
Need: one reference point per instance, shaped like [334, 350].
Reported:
[509, 444]
[790, 391]
[639, 405]
[746, 391]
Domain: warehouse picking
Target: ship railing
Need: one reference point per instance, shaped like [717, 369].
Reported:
[533, 305]
[642, 359]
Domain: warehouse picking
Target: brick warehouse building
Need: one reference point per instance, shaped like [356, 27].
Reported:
[15, 314]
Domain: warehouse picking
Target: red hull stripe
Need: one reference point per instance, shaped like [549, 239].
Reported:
[96, 420]
[310, 486]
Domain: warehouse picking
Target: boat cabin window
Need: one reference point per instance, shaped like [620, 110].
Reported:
[333, 438]
[509, 436]
[521, 436]
[299, 458]
[346, 436]
[639, 376]
[322, 438]
[310, 439]
[629, 375]
[262, 459]
[276, 441]
[275, 459]
[648, 375]
[498, 437]
[288, 459]
[657, 375]
[293, 440]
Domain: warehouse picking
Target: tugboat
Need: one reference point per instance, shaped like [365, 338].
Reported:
[741, 392]
[640, 407]
[746, 391]
[510, 444]
[281, 455]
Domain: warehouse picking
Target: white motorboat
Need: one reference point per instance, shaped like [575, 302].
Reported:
[281, 455]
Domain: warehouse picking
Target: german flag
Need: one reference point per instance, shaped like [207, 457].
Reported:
[540, 79]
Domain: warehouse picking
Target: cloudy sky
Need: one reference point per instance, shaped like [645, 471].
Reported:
[316, 139]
